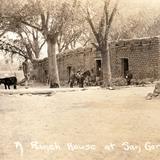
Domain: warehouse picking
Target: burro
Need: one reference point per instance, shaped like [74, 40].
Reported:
[151, 147]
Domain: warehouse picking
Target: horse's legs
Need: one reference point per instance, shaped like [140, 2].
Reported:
[71, 84]
[15, 87]
[81, 83]
[77, 81]
[5, 86]
[8, 86]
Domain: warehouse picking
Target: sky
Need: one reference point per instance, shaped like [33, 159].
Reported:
[140, 3]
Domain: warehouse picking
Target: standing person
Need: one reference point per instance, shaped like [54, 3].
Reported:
[128, 77]
[72, 79]
[80, 78]
[25, 65]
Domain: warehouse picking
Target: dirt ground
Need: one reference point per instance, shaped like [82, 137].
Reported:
[99, 123]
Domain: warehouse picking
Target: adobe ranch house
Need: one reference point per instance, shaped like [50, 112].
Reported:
[141, 56]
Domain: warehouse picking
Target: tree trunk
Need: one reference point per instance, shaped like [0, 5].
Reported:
[52, 64]
[109, 68]
[37, 49]
[106, 68]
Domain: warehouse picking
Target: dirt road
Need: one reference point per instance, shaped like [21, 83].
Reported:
[81, 125]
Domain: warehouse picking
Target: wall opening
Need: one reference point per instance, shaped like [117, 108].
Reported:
[124, 66]
[69, 72]
[98, 68]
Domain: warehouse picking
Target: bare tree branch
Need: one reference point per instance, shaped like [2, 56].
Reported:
[42, 44]
[91, 23]
[113, 13]
[3, 32]
[95, 45]
[31, 25]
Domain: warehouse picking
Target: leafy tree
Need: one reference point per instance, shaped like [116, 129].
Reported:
[52, 18]
[49, 18]
[29, 38]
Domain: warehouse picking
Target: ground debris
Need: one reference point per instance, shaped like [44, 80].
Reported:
[42, 91]
[155, 94]
[27, 92]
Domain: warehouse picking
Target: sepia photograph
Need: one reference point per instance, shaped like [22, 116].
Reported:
[79, 79]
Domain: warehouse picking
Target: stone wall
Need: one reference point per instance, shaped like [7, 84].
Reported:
[142, 55]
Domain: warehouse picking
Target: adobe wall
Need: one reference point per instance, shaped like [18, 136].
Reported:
[81, 58]
[143, 58]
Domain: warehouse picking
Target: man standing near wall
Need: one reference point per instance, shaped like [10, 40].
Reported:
[25, 65]
[128, 77]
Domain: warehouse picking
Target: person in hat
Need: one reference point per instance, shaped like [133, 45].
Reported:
[128, 77]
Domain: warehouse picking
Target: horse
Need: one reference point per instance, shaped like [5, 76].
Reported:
[8, 81]
[79, 78]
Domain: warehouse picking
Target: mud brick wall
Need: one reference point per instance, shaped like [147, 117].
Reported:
[41, 70]
[81, 58]
[143, 59]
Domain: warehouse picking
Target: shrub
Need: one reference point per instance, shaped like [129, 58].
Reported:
[119, 82]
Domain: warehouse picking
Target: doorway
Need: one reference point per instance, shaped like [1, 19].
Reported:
[69, 72]
[124, 66]
[98, 68]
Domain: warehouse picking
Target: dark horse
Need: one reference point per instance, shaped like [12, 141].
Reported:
[8, 81]
[79, 78]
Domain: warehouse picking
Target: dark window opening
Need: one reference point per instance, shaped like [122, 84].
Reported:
[98, 68]
[69, 72]
[125, 66]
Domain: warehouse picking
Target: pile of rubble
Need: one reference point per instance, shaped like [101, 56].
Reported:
[155, 94]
